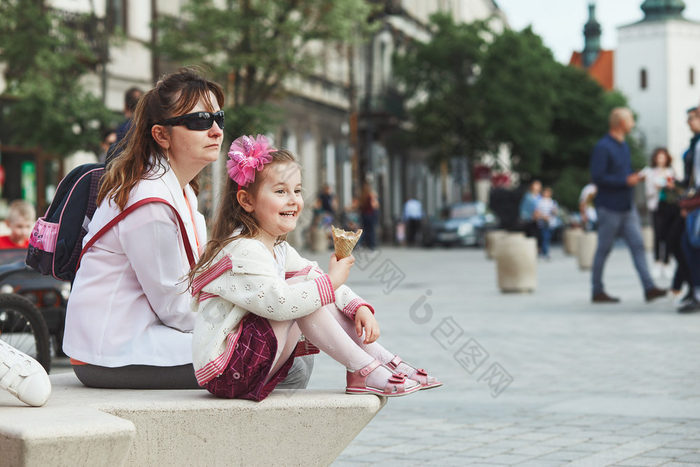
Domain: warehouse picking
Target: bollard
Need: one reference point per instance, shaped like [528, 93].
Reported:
[491, 240]
[570, 240]
[319, 240]
[587, 244]
[516, 263]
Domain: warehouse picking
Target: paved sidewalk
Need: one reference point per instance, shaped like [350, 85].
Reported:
[530, 379]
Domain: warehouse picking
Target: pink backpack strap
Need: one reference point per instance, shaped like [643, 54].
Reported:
[129, 210]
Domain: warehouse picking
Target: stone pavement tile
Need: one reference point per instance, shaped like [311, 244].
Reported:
[488, 437]
[684, 444]
[511, 431]
[372, 458]
[640, 431]
[688, 430]
[346, 463]
[429, 455]
[564, 441]
[507, 459]
[564, 455]
[561, 429]
[539, 463]
[488, 450]
[536, 436]
[590, 446]
[458, 446]
[446, 461]
[404, 448]
[534, 450]
[614, 455]
[491, 425]
[668, 453]
[678, 464]
[658, 424]
[511, 443]
[356, 449]
[694, 458]
[614, 439]
[662, 438]
[641, 461]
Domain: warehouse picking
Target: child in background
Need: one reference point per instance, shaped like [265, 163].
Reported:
[545, 211]
[20, 219]
[255, 295]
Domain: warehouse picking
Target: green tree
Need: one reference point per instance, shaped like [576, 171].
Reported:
[517, 84]
[253, 46]
[580, 119]
[45, 57]
[438, 80]
[471, 90]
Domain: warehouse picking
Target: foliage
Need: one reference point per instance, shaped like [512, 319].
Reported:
[472, 90]
[254, 45]
[45, 60]
[517, 85]
[439, 76]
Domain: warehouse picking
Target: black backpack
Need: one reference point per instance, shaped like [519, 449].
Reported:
[57, 238]
[56, 241]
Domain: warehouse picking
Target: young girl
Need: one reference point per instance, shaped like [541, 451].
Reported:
[255, 295]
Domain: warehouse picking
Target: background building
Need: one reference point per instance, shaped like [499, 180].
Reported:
[656, 66]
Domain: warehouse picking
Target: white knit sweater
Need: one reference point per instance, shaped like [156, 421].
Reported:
[243, 279]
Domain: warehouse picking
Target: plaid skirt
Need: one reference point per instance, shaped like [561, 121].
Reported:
[250, 363]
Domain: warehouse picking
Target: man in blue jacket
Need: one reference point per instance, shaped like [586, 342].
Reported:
[611, 171]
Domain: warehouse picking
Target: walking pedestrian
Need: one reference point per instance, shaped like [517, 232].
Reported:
[413, 219]
[369, 211]
[545, 210]
[657, 177]
[691, 183]
[611, 171]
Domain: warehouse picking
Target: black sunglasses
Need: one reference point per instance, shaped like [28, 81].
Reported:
[197, 120]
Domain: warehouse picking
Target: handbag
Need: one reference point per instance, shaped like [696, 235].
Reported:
[691, 200]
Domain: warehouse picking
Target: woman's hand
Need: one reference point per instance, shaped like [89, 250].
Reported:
[365, 320]
[339, 270]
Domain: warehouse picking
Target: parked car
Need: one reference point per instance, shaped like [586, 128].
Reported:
[462, 224]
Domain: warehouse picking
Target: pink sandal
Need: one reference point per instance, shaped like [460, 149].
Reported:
[426, 382]
[395, 386]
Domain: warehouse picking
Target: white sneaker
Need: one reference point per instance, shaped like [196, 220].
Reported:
[23, 376]
[668, 271]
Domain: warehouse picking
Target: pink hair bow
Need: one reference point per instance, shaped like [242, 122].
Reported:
[247, 155]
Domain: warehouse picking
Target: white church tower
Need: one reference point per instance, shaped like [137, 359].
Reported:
[657, 66]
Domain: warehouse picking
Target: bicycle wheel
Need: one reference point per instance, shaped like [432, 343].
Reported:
[23, 327]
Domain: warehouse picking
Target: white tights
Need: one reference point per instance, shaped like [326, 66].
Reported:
[334, 333]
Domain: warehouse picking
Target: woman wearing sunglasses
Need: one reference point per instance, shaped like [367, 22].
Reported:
[128, 321]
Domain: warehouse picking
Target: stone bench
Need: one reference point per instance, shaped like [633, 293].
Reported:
[105, 427]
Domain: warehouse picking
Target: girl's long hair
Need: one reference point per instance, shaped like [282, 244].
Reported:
[231, 215]
[174, 94]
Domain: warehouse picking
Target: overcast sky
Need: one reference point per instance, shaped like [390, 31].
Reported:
[560, 22]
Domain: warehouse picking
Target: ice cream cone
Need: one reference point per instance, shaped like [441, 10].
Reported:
[344, 241]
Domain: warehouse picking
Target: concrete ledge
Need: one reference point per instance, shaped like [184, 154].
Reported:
[83, 426]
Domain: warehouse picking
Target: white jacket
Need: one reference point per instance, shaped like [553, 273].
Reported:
[129, 304]
[244, 279]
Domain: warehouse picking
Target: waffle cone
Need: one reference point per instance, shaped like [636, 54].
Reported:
[344, 241]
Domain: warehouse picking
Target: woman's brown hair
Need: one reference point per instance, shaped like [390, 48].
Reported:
[231, 216]
[174, 94]
[664, 151]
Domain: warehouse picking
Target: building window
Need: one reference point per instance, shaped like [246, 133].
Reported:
[643, 78]
[116, 15]
[691, 76]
